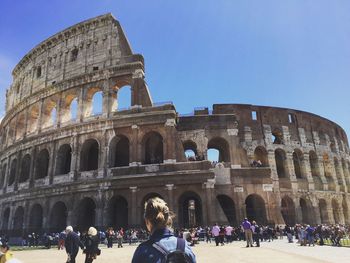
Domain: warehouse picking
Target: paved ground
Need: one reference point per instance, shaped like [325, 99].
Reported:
[276, 251]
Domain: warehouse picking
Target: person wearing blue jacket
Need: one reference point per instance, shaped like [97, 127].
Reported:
[162, 241]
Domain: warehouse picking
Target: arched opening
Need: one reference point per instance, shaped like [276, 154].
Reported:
[3, 175]
[85, 214]
[190, 149]
[13, 172]
[280, 158]
[315, 171]
[119, 151]
[97, 103]
[123, 98]
[63, 161]
[73, 109]
[89, 155]
[153, 148]
[42, 164]
[323, 211]
[288, 211]
[33, 119]
[336, 212]
[58, 217]
[118, 212]
[20, 126]
[190, 210]
[6, 218]
[18, 221]
[49, 114]
[213, 155]
[36, 219]
[298, 161]
[338, 174]
[345, 211]
[261, 156]
[277, 136]
[222, 146]
[255, 209]
[228, 206]
[306, 211]
[25, 168]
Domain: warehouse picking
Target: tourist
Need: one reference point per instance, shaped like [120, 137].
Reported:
[256, 233]
[215, 231]
[310, 235]
[248, 232]
[120, 235]
[207, 235]
[110, 235]
[228, 233]
[6, 253]
[222, 235]
[162, 244]
[91, 242]
[61, 239]
[72, 244]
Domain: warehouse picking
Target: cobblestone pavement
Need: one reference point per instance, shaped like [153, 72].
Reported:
[276, 251]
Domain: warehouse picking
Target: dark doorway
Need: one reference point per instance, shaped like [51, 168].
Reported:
[64, 157]
[228, 206]
[118, 212]
[89, 155]
[86, 213]
[255, 209]
[58, 218]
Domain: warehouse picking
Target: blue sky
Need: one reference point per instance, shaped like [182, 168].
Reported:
[288, 53]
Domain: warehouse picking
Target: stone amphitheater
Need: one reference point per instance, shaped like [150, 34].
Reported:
[61, 165]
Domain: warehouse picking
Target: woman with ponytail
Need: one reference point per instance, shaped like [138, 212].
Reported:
[162, 245]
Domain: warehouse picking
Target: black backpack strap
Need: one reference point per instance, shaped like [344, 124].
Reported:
[180, 244]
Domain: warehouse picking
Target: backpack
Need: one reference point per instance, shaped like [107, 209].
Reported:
[176, 256]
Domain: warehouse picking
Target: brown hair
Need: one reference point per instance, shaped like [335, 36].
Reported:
[157, 213]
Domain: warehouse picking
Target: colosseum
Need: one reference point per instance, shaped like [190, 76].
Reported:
[68, 158]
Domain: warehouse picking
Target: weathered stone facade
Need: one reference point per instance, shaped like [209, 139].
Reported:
[57, 169]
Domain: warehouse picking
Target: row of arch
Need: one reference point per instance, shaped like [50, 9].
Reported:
[67, 108]
[339, 212]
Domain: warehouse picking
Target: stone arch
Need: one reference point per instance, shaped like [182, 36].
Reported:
[315, 170]
[90, 100]
[153, 148]
[307, 211]
[119, 151]
[21, 126]
[3, 175]
[58, 217]
[117, 212]
[49, 113]
[338, 173]
[345, 211]
[63, 159]
[277, 136]
[229, 208]
[298, 162]
[6, 219]
[36, 218]
[336, 211]
[89, 155]
[190, 210]
[288, 210]
[322, 204]
[280, 158]
[69, 107]
[18, 221]
[222, 146]
[86, 214]
[328, 172]
[346, 174]
[25, 168]
[260, 154]
[33, 118]
[13, 172]
[190, 148]
[42, 164]
[255, 209]
[123, 98]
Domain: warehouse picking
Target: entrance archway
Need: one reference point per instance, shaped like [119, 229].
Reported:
[118, 212]
[85, 214]
[36, 219]
[190, 210]
[323, 211]
[228, 206]
[307, 212]
[18, 221]
[255, 209]
[89, 155]
[119, 151]
[58, 218]
[288, 210]
[153, 147]
[64, 157]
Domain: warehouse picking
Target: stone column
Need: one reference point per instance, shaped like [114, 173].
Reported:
[209, 188]
[133, 209]
[330, 211]
[80, 110]
[52, 162]
[58, 112]
[41, 105]
[234, 147]
[18, 167]
[170, 188]
[107, 95]
[134, 147]
[74, 166]
[32, 168]
[169, 141]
